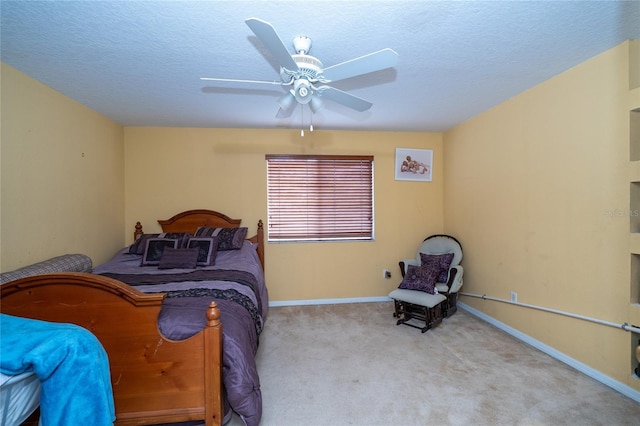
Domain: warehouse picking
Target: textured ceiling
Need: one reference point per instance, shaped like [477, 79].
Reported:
[139, 62]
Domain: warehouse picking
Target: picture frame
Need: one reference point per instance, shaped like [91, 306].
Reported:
[414, 164]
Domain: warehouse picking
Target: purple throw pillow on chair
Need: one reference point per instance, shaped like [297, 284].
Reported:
[420, 278]
[440, 262]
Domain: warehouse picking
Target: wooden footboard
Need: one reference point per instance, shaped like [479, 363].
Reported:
[155, 380]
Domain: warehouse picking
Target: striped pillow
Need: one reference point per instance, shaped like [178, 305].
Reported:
[140, 244]
[228, 238]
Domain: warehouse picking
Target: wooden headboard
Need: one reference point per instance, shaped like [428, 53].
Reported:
[191, 220]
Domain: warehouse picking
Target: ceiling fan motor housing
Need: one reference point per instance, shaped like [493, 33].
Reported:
[309, 67]
[309, 72]
[302, 44]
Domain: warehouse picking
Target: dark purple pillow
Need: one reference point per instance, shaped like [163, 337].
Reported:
[182, 237]
[184, 258]
[228, 238]
[139, 246]
[155, 248]
[420, 278]
[141, 243]
[440, 262]
[207, 249]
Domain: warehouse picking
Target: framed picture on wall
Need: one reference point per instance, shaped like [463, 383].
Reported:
[414, 164]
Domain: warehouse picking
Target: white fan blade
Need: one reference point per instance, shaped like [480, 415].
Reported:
[234, 80]
[344, 98]
[268, 35]
[385, 58]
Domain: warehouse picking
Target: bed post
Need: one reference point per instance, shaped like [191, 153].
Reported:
[261, 242]
[213, 408]
[137, 232]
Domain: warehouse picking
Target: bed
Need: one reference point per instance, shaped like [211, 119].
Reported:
[164, 371]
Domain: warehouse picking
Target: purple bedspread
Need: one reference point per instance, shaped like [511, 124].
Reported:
[236, 283]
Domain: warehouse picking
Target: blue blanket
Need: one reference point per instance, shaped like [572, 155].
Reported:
[71, 364]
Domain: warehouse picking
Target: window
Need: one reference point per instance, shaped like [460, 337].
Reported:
[319, 197]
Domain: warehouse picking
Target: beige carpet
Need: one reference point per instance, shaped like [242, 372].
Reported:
[350, 364]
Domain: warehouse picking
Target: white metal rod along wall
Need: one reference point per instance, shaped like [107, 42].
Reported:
[624, 326]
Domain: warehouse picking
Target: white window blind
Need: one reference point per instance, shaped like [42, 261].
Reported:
[315, 198]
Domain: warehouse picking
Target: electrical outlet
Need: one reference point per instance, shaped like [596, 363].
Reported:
[514, 296]
[386, 274]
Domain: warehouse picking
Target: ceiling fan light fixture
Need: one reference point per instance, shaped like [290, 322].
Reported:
[286, 100]
[315, 104]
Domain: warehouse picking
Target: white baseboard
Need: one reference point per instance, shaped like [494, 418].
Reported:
[583, 368]
[328, 301]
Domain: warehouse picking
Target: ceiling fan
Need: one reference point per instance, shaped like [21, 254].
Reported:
[304, 77]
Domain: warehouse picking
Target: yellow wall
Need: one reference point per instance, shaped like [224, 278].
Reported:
[537, 190]
[168, 170]
[62, 176]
